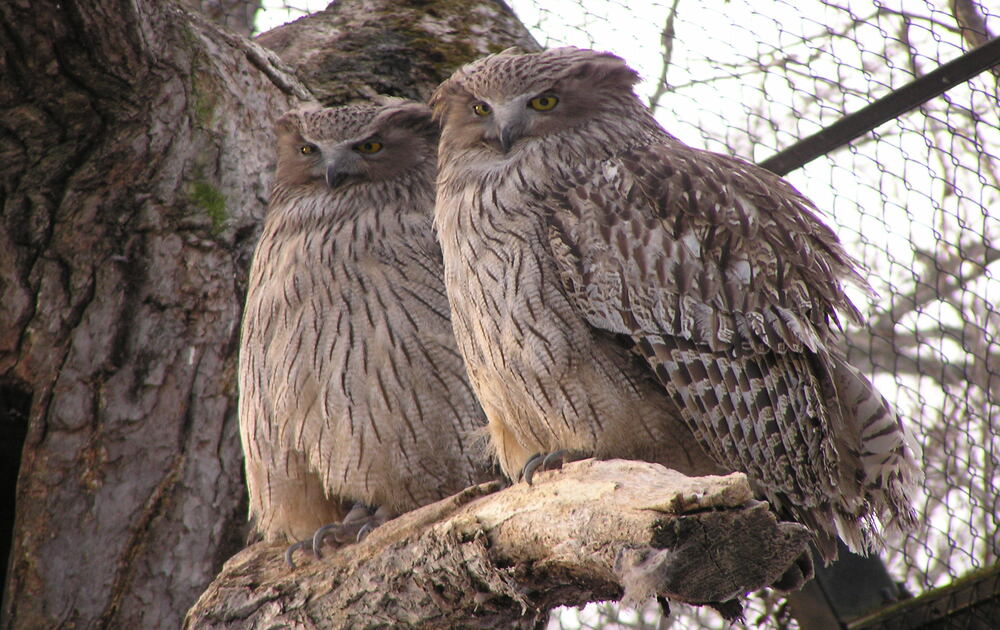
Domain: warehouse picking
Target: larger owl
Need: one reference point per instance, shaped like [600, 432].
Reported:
[617, 293]
[351, 385]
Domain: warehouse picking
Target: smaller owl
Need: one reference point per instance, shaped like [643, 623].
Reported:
[618, 293]
[351, 386]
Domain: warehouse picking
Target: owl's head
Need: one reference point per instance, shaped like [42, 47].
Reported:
[509, 99]
[342, 146]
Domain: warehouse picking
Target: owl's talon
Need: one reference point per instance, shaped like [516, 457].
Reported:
[320, 535]
[357, 524]
[359, 512]
[302, 544]
[556, 459]
[549, 461]
[364, 531]
[528, 470]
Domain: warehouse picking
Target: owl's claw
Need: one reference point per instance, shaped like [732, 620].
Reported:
[320, 534]
[548, 461]
[358, 523]
[302, 544]
[530, 466]
[364, 531]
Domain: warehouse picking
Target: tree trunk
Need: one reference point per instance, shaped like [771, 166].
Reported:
[135, 162]
[595, 530]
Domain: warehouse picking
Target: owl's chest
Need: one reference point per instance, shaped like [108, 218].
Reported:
[509, 310]
[494, 257]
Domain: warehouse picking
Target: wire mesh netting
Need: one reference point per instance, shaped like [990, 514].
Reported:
[917, 201]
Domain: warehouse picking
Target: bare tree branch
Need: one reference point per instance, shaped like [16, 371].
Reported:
[941, 278]
[972, 24]
[595, 530]
[667, 43]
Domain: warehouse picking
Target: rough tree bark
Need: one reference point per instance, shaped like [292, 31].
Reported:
[135, 159]
[135, 164]
[595, 530]
[357, 48]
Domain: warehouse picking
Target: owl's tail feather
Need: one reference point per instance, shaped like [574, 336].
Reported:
[809, 430]
[888, 451]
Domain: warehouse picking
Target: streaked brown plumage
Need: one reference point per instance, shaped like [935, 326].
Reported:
[619, 293]
[351, 387]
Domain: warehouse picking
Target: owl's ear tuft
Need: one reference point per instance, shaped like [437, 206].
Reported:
[439, 99]
[513, 51]
[384, 100]
[290, 122]
[411, 115]
[604, 69]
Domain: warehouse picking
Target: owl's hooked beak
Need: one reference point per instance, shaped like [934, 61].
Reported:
[335, 176]
[510, 124]
[508, 136]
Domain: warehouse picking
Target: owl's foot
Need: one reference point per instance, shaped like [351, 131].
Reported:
[549, 461]
[358, 523]
[302, 544]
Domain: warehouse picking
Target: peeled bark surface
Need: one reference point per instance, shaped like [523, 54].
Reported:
[136, 154]
[595, 530]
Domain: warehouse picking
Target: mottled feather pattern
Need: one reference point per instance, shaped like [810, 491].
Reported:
[611, 286]
[677, 230]
[351, 385]
[685, 251]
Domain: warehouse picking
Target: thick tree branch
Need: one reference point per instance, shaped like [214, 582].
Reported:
[358, 48]
[595, 530]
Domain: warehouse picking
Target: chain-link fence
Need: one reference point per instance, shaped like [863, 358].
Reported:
[917, 200]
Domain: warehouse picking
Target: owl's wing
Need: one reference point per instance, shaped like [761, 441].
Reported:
[729, 285]
[667, 239]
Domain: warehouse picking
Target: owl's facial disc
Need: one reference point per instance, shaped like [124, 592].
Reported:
[346, 161]
[339, 165]
[510, 121]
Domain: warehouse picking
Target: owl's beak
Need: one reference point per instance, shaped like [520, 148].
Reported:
[334, 176]
[510, 125]
[509, 134]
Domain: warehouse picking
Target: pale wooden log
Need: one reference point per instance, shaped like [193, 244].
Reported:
[490, 558]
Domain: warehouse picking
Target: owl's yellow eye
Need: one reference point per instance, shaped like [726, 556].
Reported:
[544, 102]
[308, 149]
[368, 147]
[481, 109]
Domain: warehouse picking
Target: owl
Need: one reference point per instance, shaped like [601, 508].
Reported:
[616, 293]
[351, 387]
